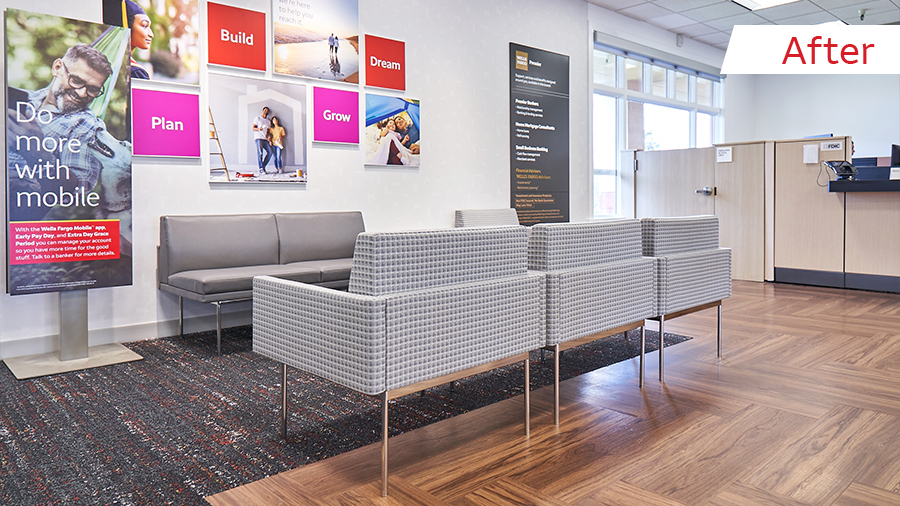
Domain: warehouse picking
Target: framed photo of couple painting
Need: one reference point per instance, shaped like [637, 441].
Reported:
[257, 130]
[392, 134]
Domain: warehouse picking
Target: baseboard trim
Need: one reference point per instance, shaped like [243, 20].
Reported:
[809, 277]
[872, 282]
[126, 334]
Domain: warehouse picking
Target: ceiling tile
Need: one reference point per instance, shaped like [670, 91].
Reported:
[696, 29]
[747, 18]
[714, 38]
[714, 11]
[686, 5]
[872, 8]
[885, 18]
[671, 21]
[815, 18]
[790, 10]
[645, 11]
[834, 4]
[615, 5]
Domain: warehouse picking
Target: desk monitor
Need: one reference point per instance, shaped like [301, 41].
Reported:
[895, 156]
[842, 169]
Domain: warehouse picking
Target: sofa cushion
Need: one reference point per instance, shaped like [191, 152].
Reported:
[557, 246]
[233, 279]
[190, 243]
[336, 269]
[671, 236]
[392, 262]
[317, 236]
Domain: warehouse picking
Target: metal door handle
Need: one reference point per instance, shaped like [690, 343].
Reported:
[706, 190]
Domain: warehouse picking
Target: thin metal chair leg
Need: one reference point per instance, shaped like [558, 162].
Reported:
[719, 335]
[662, 321]
[180, 316]
[643, 348]
[556, 384]
[384, 444]
[219, 328]
[527, 397]
[284, 401]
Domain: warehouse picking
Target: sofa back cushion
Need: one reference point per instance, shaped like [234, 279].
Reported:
[189, 243]
[391, 262]
[557, 246]
[317, 236]
[486, 217]
[670, 236]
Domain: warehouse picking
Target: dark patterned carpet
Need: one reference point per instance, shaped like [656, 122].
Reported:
[185, 423]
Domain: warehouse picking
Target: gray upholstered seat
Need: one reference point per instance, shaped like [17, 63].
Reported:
[214, 258]
[598, 284]
[486, 217]
[423, 308]
[693, 272]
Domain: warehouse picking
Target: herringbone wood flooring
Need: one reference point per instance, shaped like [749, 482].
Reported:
[803, 409]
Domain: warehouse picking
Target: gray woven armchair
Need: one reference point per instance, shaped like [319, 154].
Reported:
[598, 284]
[423, 308]
[693, 272]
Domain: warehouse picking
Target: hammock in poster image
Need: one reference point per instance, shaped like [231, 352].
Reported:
[378, 148]
[113, 43]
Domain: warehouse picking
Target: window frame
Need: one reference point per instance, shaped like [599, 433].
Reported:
[623, 95]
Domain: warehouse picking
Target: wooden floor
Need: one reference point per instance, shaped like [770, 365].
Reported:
[803, 409]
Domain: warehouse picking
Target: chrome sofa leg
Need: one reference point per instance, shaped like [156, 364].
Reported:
[556, 384]
[219, 327]
[643, 348]
[284, 401]
[662, 321]
[384, 445]
[527, 397]
[180, 316]
[719, 334]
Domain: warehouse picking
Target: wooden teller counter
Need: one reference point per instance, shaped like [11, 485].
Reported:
[839, 233]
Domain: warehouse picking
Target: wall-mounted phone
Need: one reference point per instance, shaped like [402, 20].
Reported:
[844, 170]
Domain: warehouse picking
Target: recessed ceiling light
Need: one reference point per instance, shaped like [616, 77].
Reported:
[755, 5]
[836, 22]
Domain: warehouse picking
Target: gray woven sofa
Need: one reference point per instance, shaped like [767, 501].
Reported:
[485, 217]
[598, 284]
[423, 308]
[693, 272]
[214, 258]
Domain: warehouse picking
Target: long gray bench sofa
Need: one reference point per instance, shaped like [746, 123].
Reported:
[214, 258]
[423, 308]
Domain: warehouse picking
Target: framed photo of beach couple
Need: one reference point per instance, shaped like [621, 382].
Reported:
[258, 130]
[392, 133]
[316, 39]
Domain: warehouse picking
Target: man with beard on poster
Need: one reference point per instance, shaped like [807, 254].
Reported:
[59, 112]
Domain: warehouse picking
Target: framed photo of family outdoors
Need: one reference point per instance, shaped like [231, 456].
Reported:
[257, 130]
[392, 134]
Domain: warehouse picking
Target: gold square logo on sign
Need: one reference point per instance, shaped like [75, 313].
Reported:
[521, 60]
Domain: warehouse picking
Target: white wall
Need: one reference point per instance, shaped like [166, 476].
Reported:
[866, 107]
[457, 55]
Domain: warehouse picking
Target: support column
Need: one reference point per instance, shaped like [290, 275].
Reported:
[73, 325]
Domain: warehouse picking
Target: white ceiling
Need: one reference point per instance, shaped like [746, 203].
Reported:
[711, 21]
